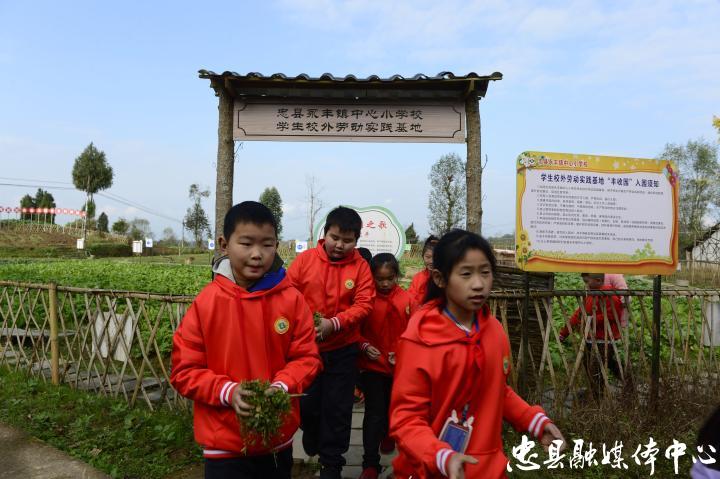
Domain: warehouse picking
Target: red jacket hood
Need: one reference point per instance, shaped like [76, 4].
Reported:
[429, 326]
[322, 254]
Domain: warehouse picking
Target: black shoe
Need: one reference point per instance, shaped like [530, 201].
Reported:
[331, 472]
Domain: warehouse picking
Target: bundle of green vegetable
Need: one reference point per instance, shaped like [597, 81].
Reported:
[267, 415]
[317, 317]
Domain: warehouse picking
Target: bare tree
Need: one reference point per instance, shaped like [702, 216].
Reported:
[314, 202]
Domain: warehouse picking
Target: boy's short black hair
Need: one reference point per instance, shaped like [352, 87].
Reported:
[346, 219]
[593, 275]
[248, 212]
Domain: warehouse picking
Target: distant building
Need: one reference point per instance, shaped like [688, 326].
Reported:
[707, 248]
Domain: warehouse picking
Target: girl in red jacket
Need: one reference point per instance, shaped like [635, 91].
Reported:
[450, 392]
[379, 335]
[418, 285]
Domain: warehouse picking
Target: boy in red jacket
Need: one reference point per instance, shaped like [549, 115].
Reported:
[336, 283]
[379, 336]
[602, 320]
[249, 323]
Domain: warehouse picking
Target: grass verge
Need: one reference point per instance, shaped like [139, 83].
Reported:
[104, 432]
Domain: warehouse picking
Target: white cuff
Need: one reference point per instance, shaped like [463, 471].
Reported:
[226, 393]
[364, 347]
[336, 324]
[279, 384]
[538, 424]
[441, 459]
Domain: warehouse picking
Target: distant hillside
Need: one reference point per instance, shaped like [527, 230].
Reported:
[20, 239]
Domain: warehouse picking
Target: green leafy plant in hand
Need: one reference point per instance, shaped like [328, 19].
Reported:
[268, 412]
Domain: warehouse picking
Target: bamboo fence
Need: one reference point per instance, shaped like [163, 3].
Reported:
[118, 343]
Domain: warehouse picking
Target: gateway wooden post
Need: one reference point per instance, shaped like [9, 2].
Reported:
[225, 157]
[419, 109]
[473, 168]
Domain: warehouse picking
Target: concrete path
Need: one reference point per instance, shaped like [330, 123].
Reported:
[354, 455]
[28, 458]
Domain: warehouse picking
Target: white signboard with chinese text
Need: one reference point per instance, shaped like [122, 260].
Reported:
[148, 242]
[431, 122]
[137, 247]
[587, 213]
[80, 243]
[381, 231]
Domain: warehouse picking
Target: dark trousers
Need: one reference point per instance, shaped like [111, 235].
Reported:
[326, 411]
[268, 466]
[377, 388]
[595, 366]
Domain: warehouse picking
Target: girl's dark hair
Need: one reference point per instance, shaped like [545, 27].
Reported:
[385, 259]
[365, 253]
[448, 252]
[430, 243]
[709, 435]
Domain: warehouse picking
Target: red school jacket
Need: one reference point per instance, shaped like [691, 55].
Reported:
[437, 372]
[229, 335]
[342, 291]
[382, 329]
[594, 306]
[418, 286]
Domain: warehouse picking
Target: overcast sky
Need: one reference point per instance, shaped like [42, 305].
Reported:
[597, 77]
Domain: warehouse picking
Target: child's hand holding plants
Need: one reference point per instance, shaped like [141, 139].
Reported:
[324, 330]
[261, 409]
[240, 401]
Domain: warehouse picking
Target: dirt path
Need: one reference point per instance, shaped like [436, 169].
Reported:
[25, 457]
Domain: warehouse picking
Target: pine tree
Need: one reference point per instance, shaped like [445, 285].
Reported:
[270, 197]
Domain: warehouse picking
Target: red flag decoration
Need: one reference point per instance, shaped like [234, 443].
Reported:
[45, 211]
[17, 209]
[82, 213]
[8, 209]
[24, 210]
[32, 210]
[64, 211]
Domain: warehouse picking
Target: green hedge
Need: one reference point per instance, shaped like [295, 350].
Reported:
[109, 250]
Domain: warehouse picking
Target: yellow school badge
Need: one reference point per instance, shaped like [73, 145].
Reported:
[506, 365]
[282, 325]
[349, 284]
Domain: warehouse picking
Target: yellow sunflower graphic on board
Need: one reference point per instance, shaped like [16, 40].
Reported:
[523, 250]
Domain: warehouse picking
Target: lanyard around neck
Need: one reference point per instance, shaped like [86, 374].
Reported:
[460, 325]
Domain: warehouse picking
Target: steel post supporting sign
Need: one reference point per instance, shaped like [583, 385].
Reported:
[381, 231]
[588, 213]
[431, 121]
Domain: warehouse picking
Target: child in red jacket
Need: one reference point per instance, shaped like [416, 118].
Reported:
[248, 323]
[379, 335]
[418, 285]
[450, 392]
[336, 282]
[602, 320]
